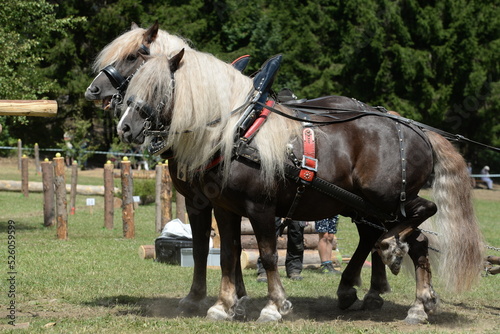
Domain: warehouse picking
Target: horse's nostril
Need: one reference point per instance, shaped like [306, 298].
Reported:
[94, 89]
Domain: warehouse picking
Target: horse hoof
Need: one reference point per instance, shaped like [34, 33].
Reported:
[347, 298]
[416, 317]
[372, 302]
[286, 307]
[217, 313]
[240, 308]
[269, 313]
[188, 305]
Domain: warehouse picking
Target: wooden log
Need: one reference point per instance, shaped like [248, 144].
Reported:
[109, 193]
[8, 185]
[61, 202]
[493, 259]
[166, 196]
[24, 176]
[246, 228]
[40, 108]
[311, 257]
[48, 193]
[74, 182]
[494, 271]
[158, 204]
[250, 242]
[147, 252]
[128, 200]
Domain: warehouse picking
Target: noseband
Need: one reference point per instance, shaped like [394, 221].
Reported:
[118, 81]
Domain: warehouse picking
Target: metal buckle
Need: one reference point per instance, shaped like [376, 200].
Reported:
[306, 159]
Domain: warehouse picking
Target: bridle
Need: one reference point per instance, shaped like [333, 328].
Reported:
[118, 81]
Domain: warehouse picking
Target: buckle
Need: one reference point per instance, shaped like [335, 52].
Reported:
[310, 163]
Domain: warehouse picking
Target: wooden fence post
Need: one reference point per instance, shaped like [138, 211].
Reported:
[74, 182]
[158, 190]
[19, 153]
[109, 192]
[128, 200]
[166, 196]
[24, 176]
[37, 159]
[61, 201]
[48, 193]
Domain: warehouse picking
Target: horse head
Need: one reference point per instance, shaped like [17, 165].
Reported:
[118, 62]
[149, 101]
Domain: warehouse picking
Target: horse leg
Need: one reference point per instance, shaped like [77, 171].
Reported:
[427, 300]
[392, 246]
[351, 275]
[225, 307]
[378, 285]
[278, 305]
[200, 220]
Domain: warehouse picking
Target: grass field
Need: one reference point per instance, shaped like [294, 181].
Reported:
[95, 282]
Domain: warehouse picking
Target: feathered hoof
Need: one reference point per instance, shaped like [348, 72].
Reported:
[218, 313]
[416, 317]
[189, 305]
[372, 301]
[269, 313]
[346, 298]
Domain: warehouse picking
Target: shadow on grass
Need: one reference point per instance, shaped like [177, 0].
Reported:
[20, 225]
[321, 309]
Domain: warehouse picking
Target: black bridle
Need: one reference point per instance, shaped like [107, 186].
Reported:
[118, 81]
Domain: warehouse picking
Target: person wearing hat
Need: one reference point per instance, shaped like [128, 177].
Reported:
[485, 172]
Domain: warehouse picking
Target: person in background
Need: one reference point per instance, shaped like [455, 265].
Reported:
[485, 172]
[327, 228]
[472, 180]
[294, 251]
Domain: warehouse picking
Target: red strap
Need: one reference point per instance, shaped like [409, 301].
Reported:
[309, 161]
[260, 120]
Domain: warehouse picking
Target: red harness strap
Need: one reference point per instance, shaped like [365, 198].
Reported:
[259, 121]
[309, 161]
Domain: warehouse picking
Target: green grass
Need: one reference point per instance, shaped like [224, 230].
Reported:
[95, 282]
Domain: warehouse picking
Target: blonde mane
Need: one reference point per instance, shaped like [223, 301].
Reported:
[206, 92]
[129, 42]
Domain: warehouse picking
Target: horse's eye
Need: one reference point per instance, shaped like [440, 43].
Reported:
[132, 58]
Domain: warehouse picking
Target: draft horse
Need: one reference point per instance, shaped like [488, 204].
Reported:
[118, 63]
[196, 104]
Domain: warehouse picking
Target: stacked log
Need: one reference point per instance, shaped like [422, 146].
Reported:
[250, 252]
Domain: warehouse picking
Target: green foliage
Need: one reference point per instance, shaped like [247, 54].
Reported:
[433, 61]
[145, 189]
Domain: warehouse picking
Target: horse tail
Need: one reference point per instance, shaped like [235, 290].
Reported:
[460, 241]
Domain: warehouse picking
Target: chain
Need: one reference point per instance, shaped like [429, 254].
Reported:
[493, 248]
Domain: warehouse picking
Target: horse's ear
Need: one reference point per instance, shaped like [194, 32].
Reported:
[175, 60]
[150, 34]
[134, 26]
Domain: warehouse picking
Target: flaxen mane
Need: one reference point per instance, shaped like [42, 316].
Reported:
[130, 41]
[206, 92]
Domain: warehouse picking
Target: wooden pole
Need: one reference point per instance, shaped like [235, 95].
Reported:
[24, 176]
[180, 204]
[128, 200]
[166, 196]
[158, 191]
[109, 208]
[48, 193]
[42, 108]
[37, 159]
[19, 153]
[61, 201]
[74, 182]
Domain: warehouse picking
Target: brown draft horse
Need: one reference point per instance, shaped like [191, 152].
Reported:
[110, 84]
[198, 100]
